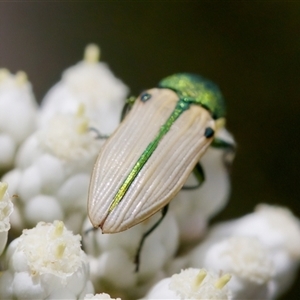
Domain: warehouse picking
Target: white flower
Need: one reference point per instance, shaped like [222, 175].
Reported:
[112, 256]
[89, 82]
[194, 208]
[278, 229]
[282, 226]
[246, 258]
[52, 173]
[46, 262]
[17, 114]
[6, 208]
[67, 137]
[261, 251]
[192, 284]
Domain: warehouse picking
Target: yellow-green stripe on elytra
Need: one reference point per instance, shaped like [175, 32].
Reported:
[183, 104]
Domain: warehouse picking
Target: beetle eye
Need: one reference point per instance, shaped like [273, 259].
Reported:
[209, 132]
[145, 97]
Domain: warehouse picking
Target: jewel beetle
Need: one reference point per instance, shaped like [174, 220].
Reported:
[146, 161]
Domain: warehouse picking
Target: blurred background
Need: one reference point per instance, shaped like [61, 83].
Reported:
[251, 49]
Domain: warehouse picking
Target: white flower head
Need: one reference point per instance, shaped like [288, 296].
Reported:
[17, 105]
[245, 257]
[92, 80]
[192, 284]
[18, 111]
[68, 137]
[51, 249]
[200, 284]
[92, 83]
[282, 221]
[46, 262]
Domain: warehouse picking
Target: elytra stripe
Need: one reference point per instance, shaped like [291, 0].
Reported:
[182, 105]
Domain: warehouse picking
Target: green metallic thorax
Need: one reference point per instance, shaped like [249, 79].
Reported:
[191, 89]
[200, 90]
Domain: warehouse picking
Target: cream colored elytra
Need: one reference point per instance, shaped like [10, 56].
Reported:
[165, 172]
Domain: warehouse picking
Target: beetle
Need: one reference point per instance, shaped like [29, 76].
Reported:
[146, 161]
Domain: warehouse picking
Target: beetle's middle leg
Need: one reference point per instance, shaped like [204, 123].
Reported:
[229, 150]
[145, 235]
[199, 174]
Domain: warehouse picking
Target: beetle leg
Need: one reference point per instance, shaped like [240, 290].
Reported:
[199, 174]
[229, 151]
[127, 107]
[221, 144]
[99, 136]
[87, 231]
[145, 235]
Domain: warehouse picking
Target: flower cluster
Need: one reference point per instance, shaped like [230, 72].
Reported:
[46, 158]
[18, 115]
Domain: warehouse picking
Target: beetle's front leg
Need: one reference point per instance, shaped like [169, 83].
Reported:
[145, 235]
[127, 107]
[99, 136]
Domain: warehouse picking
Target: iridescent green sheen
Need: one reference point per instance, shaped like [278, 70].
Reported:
[200, 91]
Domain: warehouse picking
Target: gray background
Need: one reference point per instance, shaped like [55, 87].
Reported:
[251, 49]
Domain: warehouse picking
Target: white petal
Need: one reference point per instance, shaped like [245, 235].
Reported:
[42, 208]
[25, 287]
